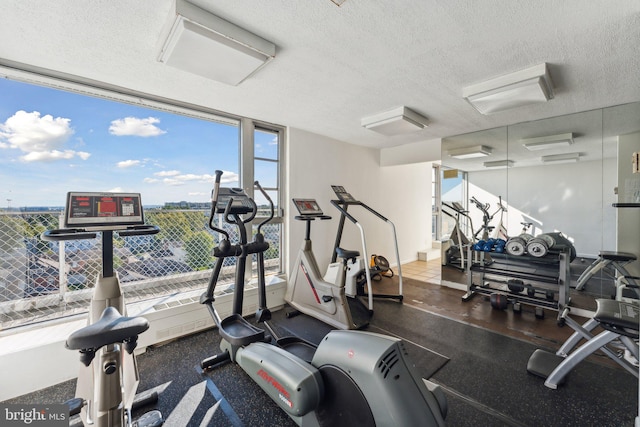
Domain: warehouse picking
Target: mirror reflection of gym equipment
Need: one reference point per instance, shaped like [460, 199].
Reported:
[569, 185]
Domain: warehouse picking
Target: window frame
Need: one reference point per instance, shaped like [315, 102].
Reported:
[72, 83]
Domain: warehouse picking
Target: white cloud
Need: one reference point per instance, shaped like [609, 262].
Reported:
[41, 137]
[31, 132]
[167, 173]
[136, 127]
[229, 177]
[175, 178]
[128, 163]
[50, 156]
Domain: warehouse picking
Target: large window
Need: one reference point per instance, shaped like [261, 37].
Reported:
[53, 141]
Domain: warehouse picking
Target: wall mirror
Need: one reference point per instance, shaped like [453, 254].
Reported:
[553, 180]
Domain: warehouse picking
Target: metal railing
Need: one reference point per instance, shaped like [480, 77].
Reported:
[47, 280]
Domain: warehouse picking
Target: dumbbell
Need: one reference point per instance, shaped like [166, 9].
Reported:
[479, 245]
[489, 245]
[515, 285]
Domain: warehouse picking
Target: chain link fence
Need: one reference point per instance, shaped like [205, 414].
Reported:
[47, 280]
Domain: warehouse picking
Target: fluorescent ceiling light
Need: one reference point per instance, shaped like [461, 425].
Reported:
[547, 142]
[499, 164]
[524, 87]
[561, 158]
[470, 152]
[203, 44]
[396, 121]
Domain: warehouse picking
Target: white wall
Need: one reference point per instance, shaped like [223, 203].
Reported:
[572, 198]
[406, 192]
[399, 193]
[418, 152]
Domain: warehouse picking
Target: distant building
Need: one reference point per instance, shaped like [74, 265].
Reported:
[187, 205]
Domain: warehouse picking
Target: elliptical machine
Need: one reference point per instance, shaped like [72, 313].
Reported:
[354, 378]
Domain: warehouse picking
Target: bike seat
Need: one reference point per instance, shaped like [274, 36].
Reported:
[112, 327]
[347, 254]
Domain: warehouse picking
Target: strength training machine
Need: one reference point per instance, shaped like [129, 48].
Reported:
[354, 377]
[619, 323]
[108, 377]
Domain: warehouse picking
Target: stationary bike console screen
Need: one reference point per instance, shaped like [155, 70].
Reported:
[307, 207]
[100, 210]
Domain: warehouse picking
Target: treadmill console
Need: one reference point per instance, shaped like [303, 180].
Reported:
[240, 205]
[97, 211]
[342, 194]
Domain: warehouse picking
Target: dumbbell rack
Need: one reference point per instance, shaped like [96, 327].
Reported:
[493, 275]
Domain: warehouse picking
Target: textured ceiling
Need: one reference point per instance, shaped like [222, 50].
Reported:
[335, 65]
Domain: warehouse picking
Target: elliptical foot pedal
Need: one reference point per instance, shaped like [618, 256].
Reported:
[301, 348]
[542, 363]
[150, 419]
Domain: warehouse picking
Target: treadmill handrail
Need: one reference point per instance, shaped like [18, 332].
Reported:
[338, 204]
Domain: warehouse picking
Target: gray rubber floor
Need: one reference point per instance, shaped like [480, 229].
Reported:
[483, 374]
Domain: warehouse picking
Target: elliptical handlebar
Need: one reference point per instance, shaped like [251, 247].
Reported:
[264, 193]
[235, 206]
[214, 202]
[483, 207]
[238, 220]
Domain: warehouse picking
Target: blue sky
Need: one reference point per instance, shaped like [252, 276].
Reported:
[53, 141]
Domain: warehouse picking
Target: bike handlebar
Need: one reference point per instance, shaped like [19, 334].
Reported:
[82, 234]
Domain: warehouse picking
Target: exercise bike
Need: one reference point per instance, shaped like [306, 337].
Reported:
[353, 378]
[309, 293]
[486, 229]
[108, 377]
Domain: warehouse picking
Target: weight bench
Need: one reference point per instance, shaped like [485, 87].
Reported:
[619, 319]
[617, 260]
